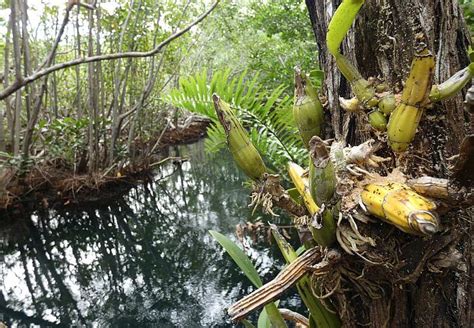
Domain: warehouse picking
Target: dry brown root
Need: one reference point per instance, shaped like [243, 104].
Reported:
[263, 199]
[351, 278]
[269, 193]
[253, 230]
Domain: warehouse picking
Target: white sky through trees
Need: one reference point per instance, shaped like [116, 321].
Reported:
[36, 10]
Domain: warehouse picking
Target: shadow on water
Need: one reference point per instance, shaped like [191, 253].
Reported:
[145, 259]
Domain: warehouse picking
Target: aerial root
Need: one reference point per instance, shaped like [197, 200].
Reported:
[351, 240]
[336, 281]
[357, 171]
[364, 285]
[355, 228]
[263, 199]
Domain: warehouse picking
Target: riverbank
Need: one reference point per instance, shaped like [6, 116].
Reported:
[47, 185]
[144, 259]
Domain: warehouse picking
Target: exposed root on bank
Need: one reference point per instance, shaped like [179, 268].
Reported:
[53, 181]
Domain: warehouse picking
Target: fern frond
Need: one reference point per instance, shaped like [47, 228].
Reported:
[216, 139]
[267, 115]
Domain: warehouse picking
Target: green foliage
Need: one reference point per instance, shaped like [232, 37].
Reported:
[239, 258]
[263, 321]
[340, 23]
[251, 273]
[271, 37]
[18, 163]
[267, 115]
[64, 138]
[247, 324]
[468, 8]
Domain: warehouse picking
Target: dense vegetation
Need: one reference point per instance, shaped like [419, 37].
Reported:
[111, 104]
[90, 88]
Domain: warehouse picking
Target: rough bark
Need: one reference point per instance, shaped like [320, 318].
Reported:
[381, 44]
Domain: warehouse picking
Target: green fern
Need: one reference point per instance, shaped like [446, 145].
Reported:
[267, 115]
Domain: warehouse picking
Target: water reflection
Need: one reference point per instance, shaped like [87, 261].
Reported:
[145, 259]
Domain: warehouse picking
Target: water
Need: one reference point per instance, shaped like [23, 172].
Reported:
[144, 260]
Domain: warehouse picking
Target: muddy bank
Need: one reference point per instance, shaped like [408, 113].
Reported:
[49, 186]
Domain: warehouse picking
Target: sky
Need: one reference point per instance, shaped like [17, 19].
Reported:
[36, 10]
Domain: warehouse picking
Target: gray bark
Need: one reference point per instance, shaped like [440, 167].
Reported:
[7, 111]
[92, 103]
[77, 68]
[381, 44]
[117, 82]
[27, 57]
[17, 60]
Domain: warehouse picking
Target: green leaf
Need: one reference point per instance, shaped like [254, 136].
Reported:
[300, 250]
[340, 23]
[239, 257]
[285, 248]
[249, 270]
[263, 321]
[247, 324]
[295, 196]
[316, 76]
[470, 52]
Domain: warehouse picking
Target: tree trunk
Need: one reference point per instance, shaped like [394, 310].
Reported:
[27, 56]
[381, 44]
[17, 60]
[92, 102]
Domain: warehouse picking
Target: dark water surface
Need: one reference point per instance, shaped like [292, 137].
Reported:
[143, 260]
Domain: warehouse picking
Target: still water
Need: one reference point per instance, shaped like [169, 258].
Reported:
[145, 259]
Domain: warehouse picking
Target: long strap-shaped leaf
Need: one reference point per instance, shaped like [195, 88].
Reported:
[341, 23]
[273, 289]
[249, 270]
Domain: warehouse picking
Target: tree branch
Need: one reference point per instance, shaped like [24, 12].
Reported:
[132, 54]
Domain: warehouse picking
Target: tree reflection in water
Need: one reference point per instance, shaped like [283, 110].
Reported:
[145, 259]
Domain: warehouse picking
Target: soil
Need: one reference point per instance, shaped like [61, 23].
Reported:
[52, 186]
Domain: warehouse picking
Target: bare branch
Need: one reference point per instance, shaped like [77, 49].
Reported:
[49, 59]
[133, 54]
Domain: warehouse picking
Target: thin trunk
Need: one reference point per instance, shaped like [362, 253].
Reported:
[99, 89]
[78, 70]
[92, 104]
[43, 87]
[116, 111]
[27, 55]
[6, 74]
[54, 103]
[116, 121]
[153, 72]
[93, 97]
[2, 130]
[17, 52]
[381, 44]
